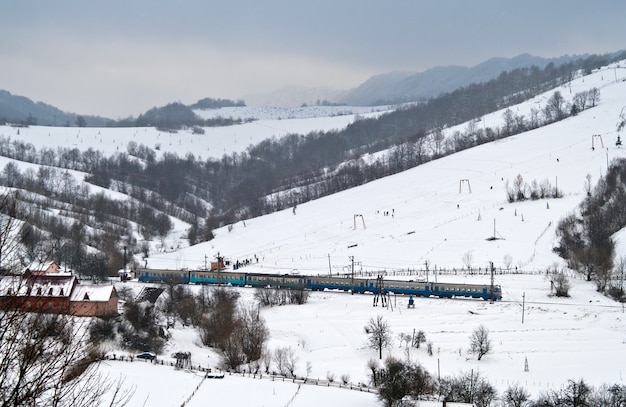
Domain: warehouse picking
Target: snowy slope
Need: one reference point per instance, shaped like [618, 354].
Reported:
[539, 341]
[217, 141]
[433, 216]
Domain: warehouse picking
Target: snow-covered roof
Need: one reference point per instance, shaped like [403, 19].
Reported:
[44, 267]
[92, 293]
[57, 284]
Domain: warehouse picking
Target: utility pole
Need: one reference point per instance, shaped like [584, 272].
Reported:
[556, 186]
[330, 270]
[352, 261]
[523, 305]
[491, 288]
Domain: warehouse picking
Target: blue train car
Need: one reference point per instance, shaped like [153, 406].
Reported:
[417, 289]
[447, 290]
[332, 283]
[162, 276]
[273, 280]
[218, 277]
[320, 283]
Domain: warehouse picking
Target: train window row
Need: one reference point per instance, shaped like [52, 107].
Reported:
[459, 289]
[152, 274]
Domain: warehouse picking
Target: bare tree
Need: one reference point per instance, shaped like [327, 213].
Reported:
[621, 122]
[45, 359]
[509, 121]
[232, 353]
[561, 284]
[345, 378]
[298, 296]
[401, 379]
[520, 188]
[617, 285]
[10, 233]
[576, 394]
[556, 106]
[286, 361]
[516, 396]
[372, 366]
[217, 327]
[467, 260]
[468, 387]
[580, 100]
[594, 96]
[480, 344]
[253, 333]
[437, 140]
[379, 334]
[609, 395]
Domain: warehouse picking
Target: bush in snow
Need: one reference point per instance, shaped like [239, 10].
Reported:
[480, 344]
[468, 387]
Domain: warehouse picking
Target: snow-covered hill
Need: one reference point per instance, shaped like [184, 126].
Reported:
[267, 122]
[442, 213]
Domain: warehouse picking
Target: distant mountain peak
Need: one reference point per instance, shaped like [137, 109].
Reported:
[403, 86]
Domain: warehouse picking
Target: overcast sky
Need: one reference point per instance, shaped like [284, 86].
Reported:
[121, 58]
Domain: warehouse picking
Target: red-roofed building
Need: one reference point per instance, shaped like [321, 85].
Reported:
[93, 300]
[50, 291]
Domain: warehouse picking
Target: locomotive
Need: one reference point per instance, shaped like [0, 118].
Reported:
[320, 283]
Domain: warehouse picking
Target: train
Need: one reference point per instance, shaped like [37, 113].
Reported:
[345, 283]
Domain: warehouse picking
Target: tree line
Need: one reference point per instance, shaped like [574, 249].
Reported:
[277, 173]
[586, 235]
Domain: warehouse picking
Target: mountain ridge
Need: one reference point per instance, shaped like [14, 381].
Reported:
[395, 87]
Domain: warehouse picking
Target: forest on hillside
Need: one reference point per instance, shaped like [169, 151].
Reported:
[270, 176]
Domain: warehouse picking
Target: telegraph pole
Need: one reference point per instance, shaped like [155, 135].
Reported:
[523, 305]
[352, 262]
[491, 288]
[330, 270]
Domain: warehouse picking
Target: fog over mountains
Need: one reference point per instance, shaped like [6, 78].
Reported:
[404, 86]
[384, 89]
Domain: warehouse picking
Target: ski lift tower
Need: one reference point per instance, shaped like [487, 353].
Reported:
[465, 182]
[380, 294]
[593, 141]
[358, 215]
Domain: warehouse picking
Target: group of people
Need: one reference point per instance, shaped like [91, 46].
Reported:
[245, 262]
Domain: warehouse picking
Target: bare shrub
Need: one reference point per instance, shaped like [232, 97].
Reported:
[468, 387]
[516, 396]
[480, 344]
[345, 378]
[561, 284]
[379, 334]
[286, 361]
